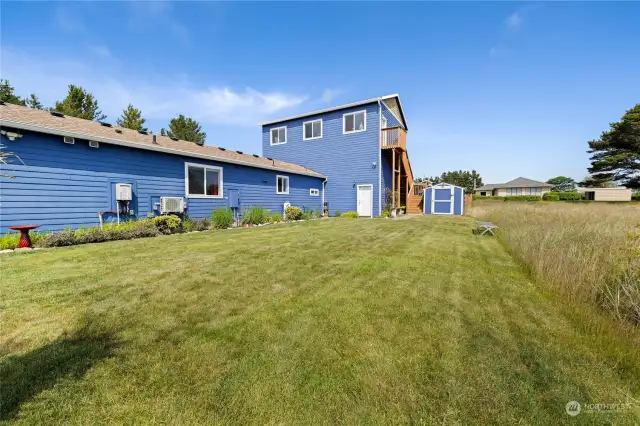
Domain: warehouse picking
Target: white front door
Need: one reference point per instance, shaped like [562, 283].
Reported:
[365, 200]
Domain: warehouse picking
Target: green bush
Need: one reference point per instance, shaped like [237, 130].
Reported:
[188, 224]
[487, 197]
[522, 198]
[307, 215]
[636, 196]
[385, 213]
[293, 213]
[222, 218]
[201, 224]
[254, 216]
[351, 215]
[275, 218]
[551, 197]
[337, 214]
[110, 232]
[167, 224]
[569, 196]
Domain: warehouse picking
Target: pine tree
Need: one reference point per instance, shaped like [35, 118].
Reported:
[33, 102]
[79, 103]
[7, 93]
[616, 154]
[131, 118]
[186, 129]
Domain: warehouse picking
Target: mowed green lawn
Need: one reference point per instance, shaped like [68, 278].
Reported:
[341, 320]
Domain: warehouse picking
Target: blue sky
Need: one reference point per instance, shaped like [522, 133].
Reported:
[509, 89]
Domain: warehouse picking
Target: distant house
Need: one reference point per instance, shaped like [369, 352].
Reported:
[518, 186]
[606, 194]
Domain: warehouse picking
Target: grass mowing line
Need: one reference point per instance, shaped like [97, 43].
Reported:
[357, 321]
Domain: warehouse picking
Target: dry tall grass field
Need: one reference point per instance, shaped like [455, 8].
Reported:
[588, 252]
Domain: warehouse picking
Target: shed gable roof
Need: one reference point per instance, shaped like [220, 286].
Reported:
[24, 118]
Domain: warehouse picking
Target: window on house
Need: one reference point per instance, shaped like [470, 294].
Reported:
[312, 130]
[354, 122]
[282, 184]
[315, 192]
[514, 191]
[203, 181]
[483, 194]
[278, 135]
[533, 191]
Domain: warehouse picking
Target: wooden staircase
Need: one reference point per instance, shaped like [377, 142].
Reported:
[415, 198]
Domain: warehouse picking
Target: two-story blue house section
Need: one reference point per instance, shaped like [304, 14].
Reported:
[344, 143]
[68, 171]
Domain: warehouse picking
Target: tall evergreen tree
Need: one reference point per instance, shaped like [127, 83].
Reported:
[616, 154]
[186, 129]
[79, 103]
[469, 180]
[7, 93]
[131, 118]
[33, 102]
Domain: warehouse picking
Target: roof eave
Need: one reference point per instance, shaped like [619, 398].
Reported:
[48, 130]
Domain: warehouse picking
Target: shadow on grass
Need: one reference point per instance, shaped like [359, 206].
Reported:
[70, 356]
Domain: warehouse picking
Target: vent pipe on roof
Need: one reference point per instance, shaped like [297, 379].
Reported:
[153, 140]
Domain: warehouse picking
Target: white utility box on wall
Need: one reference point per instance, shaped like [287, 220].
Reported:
[123, 191]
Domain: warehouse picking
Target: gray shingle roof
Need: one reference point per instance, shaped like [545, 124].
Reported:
[42, 121]
[515, 183]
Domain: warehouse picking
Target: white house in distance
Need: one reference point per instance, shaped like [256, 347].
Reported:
[518, 186]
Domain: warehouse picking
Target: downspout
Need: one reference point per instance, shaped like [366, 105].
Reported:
[324, 183]
[379, 157]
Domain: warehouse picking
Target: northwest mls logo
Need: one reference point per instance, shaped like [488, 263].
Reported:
[572, 408]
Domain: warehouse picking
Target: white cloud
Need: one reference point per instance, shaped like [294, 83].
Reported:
[514, 20]
[329, 95]
[158, 96]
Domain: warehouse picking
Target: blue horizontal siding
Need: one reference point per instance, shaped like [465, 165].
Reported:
[63, 185]
[347, 160]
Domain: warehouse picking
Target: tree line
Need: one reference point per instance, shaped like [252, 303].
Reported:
[82, 104]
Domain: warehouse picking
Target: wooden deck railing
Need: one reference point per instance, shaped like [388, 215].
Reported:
[418, 189]
[394, 137]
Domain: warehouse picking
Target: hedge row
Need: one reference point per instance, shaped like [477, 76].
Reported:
[509, 197]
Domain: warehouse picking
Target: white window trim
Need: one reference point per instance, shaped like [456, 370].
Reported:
[317, 192]
[204, 166]
[286, 137]
[312, 121]
[285, 177]
[354, 122]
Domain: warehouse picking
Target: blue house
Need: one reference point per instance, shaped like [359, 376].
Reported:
[71, 172]
[360, 148]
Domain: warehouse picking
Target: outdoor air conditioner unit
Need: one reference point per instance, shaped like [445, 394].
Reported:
[171, 205]
[69, 140]
[94, 144]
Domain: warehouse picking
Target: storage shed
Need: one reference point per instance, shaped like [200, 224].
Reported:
[444, 198]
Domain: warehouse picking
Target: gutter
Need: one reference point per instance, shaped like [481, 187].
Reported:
[39, 129]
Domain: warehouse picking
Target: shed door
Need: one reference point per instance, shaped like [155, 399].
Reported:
[442, 201]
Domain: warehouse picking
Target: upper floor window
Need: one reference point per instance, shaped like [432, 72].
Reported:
[354, 122]
[279, 135]
[282, 184]
[312, 130]
[203, 181]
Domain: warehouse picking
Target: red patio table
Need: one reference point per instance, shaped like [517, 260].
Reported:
[25, 241]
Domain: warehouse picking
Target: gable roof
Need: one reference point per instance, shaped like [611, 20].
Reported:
[19, 117]
[515, 183]
[391, 101]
